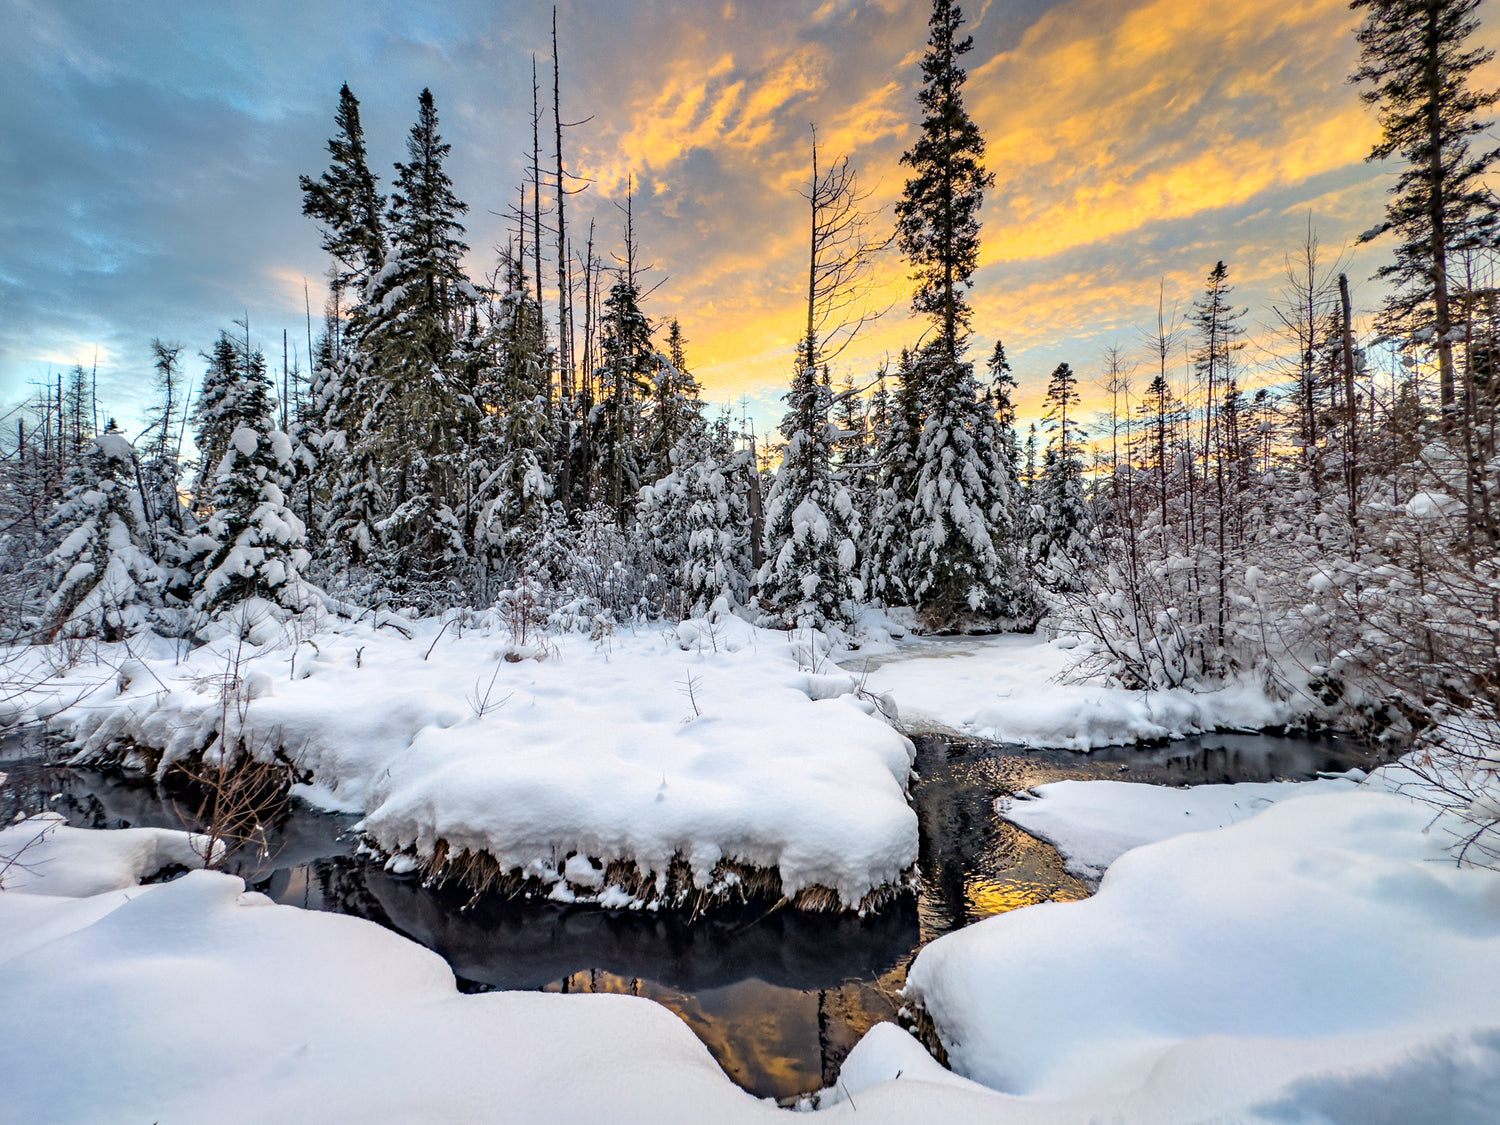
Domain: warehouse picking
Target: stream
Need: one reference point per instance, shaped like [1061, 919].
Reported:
[779, 997]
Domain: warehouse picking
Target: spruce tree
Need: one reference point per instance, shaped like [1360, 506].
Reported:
[937, 218]
[422, 417]
[810, 574]
[629, 369]
[106, 582]
[519, 486]
[676, 407]
[1416, 67]
[257, 540]
[1061, 542]
[346, 201]
[962, 516]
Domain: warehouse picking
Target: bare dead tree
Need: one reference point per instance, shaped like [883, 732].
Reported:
[842, 289]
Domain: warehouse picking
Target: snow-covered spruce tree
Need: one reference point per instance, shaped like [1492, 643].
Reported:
[518, 487]
[230, 371]
[810, 576]
[675, 409]
[346, 386]
[422, 418]
[347, 203]
[107, 584]
[888, 538]
[171, 524]
[956, 571]
[257, 541]
[629, 370]
[696, 522]
[1062, 545]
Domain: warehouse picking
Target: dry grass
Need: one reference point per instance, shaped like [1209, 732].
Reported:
[732, 884]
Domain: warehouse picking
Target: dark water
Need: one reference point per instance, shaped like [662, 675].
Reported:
[778, 997]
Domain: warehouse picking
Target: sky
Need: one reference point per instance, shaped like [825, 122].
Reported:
[149, 155]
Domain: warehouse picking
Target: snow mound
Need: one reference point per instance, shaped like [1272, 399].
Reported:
[1011, 688]
[1324, 947]
[695, 744]
[309, 1017]
[43, 856]
[1093, 823]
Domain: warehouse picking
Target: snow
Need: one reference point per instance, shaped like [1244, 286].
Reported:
[706, 743]
[1012, 688]
[1323, 953]
[46, 857]
[1318, 962]
[1093, 823]
[194, 1000]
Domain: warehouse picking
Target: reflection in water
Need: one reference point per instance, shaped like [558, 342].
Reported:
[778, 997]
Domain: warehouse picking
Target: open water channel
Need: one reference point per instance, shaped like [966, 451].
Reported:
[778, 997]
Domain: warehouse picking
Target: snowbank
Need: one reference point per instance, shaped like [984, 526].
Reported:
[1093, 823]
[1011, 689]
[1322, 960]
[648, 750]
[42, 855]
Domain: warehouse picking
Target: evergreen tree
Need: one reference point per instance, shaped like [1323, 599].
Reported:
[676, 408]
[630, 367]
[257, 540]
[1061, 543]
[345, 200]
[106, 581]
[962, 531]
[889, 542]
[1416, 66]
[519, 486]
[422, 417]
[232, 370]
[811, 527]
[937, 218]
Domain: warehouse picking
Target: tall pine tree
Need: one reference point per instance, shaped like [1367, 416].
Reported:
[962, 526]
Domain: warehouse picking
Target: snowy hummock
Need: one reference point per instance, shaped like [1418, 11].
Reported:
[1324, 956]
[693, 742]
[1093, 823]
[42, 855]
[1015, 688]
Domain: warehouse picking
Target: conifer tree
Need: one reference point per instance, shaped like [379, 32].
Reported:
[422, 417]
[676, 407]
[346, 201]
[106, 581]
[937, 218]
[1416, 65]
[962, 518]
[519, 486]
[257, 540]
[810, 573]
[1061, 545]
[629, 368]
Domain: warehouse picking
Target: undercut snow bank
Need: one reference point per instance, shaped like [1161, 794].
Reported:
[1012, 688]
[43, 856]
[653, 749]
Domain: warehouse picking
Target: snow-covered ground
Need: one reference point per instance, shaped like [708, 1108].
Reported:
[1014, 688]
[733, 743]
[1093, 823]
[1321, 961]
